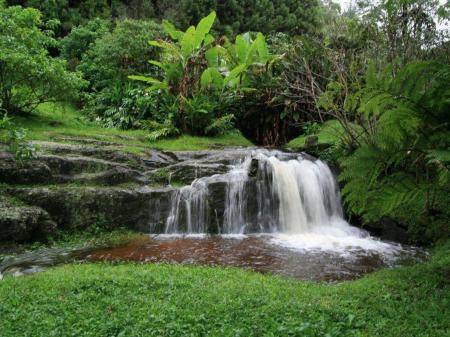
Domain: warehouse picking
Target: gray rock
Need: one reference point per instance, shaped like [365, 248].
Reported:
[82, 207]
[22, 223]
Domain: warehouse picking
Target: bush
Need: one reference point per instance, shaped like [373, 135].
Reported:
[125, 107]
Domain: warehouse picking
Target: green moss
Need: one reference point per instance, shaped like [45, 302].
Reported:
[329, 134]
[168, 300]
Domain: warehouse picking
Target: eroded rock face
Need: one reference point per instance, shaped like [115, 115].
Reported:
[108, 207]
[77, 186]
[22, 223]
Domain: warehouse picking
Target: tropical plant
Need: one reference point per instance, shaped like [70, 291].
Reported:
[28, 74]
[400, 168]
[205, 73]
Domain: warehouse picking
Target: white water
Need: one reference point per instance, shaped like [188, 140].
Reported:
[294, 198]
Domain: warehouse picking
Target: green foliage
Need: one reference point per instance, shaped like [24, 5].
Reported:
[221, 125]
[160, 300]
[80, 40]
[68, 13]
[401, 167]
[116, 55]
[160, 130]
[15, 138]
[58, 122]
[28, 74]
[311, 128]
[121, 107]
[206, 75]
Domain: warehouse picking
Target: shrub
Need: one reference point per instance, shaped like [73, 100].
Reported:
[15, 138]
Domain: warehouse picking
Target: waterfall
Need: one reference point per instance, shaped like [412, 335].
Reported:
[236, 198]
[289, 193]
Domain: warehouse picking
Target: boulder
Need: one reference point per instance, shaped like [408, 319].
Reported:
[22, 223]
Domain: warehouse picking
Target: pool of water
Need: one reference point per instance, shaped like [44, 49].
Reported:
[331, 259]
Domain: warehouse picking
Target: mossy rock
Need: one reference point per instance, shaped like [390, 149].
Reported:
[20, 222]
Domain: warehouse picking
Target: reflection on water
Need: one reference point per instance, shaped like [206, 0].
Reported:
[260, 253]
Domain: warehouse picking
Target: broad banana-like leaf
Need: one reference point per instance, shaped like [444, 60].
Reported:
[187, 43]
[145, 79]
[212, 56]
[235, 73]
[241, 48]
[170, 29]
[158, 64]
[261, 46]
[252, 54]
[203, 28]
[155, 84]
[168, 46]
[208, 40]
[211, 77]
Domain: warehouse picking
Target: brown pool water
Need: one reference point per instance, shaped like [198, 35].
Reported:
[259, 253]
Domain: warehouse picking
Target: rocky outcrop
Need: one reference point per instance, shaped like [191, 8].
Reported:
[108, 207]
[77, 186]
[21, 223]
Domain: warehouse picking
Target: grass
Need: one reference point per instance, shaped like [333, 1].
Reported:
[329, 133]
[168, 300]
[59, 122]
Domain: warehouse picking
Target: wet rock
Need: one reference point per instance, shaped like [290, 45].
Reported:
[185, 173]
[389, 230]
[22, 223]
[81, 207]
[311, 141]
[27, 172]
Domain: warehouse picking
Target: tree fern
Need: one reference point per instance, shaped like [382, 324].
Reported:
[401, 167]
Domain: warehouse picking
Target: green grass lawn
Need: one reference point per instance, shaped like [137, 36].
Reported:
[57, 122]
[168, 300]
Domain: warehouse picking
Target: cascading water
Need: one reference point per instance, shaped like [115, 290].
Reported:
[288, 194]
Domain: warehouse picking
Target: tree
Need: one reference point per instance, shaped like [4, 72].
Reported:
[68, 12]
[408, 27]
[28, 75]
[81, 39]
[124, 51]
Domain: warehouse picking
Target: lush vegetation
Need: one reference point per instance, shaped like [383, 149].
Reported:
[372, 83]
[168, 300]
[234, 16]
[367, 89]
[64, 123]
